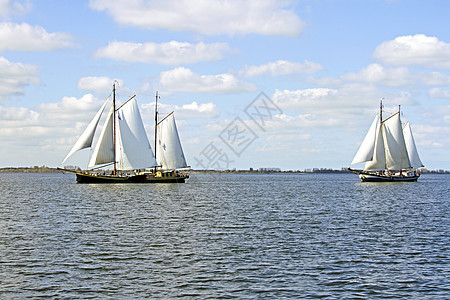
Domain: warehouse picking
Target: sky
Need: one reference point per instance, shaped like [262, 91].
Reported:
[292, 84]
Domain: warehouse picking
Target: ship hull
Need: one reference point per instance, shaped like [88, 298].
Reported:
[376, 177]
[140, 178]
[180, 179]
[165, 177]
[365, 177]
[96, 178]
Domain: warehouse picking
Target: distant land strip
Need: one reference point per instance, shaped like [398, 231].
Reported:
[35, 169]
[45, 169]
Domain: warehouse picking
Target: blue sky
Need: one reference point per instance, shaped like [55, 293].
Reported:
[321, 65]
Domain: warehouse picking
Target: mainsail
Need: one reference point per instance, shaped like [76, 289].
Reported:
[134, 151]
[394, 144]
[388, 146]
[128, 145]
[169, 154]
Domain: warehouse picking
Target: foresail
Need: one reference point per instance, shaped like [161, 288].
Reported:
[169, 152]
[365, 152]
[134, 151]
[394, 143]
[85, 139]
[411, 147]
[104, 149]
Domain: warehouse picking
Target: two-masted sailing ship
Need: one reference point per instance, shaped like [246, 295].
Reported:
[389, 151]
[123, 145]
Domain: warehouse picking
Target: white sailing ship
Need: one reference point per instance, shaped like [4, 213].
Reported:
[389, 151]
[123, 144]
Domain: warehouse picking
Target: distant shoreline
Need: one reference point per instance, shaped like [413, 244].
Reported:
[45, 169]
[29, 170]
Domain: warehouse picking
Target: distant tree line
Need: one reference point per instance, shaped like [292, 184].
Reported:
[35, 169]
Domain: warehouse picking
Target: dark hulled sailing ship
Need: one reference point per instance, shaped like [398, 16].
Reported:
[389, 151]
[123, 144]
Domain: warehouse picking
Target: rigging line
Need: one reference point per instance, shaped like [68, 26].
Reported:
[108, 164]
[391, 116]
[404, 126]
[125, 103]
[164, 118]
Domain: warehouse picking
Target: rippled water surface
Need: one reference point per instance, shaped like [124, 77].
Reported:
[225, 236]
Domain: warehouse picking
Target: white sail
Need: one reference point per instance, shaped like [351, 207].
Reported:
[169, 152]
[365, 152]
[378, 161]
[104, 149]
[411, 147]
[133, 147]
[85, 139]
[394, 143]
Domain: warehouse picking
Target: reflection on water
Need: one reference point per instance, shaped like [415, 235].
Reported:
[223, 236]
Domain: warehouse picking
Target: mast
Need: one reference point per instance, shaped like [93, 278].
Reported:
[114, 126]
[381, 129]
[381, 111]
[156, 123]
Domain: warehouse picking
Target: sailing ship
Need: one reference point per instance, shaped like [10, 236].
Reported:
[123, 144]
[389, 151]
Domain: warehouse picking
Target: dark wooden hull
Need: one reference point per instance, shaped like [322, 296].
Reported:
[95, 178]
[141, 178]
[383, 178]
[180, 179]
[374, 177]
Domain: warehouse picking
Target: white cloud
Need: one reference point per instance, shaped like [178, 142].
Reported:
[192, 110]
[414, 50]
[24, 37]
[171, 53]
[281, 67]
[195, 110]
[14, 77]
[184, 80]
[303, 98]
[71, 105]
[439, 93]
[434, 78]
[71, 114]
[14, 114]
[344, 107]
[377, 74]
[9, 7]
[47, 131]
[68, 115]
[97, 84]
[209, 17]
[433, 136]
[316, 108]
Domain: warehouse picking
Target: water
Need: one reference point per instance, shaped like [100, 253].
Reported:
[225, 236]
